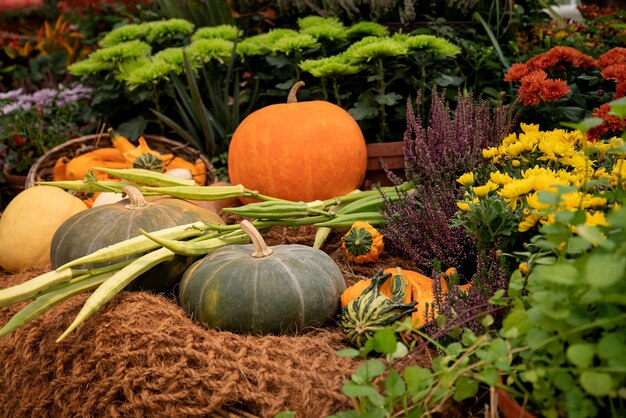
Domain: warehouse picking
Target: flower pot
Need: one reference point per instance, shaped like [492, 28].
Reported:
[392, 154]
[16, 181]
[509, 407]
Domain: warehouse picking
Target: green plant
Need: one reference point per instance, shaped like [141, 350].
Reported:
[32, 124]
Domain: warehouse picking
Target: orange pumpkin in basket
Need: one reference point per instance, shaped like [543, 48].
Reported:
[299, 151]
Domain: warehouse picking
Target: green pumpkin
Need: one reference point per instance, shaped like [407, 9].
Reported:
[104, 225]
[259, 290]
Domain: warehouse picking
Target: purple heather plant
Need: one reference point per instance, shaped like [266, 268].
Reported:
[418, 226]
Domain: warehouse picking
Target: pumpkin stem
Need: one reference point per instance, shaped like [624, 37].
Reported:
[260, 247]
[137, 201]
[291, 98]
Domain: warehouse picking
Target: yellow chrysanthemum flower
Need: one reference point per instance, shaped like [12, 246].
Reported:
[529, 127]
[464, 206]
[500, 178]
[596, 218]
[482, 191]
[490, 152]
[513, 191]
[532, 200]
[466, 179]
[528, 222]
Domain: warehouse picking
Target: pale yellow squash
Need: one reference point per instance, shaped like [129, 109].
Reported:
[29, 222]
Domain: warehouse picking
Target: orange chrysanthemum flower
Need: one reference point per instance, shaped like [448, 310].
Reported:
[612, 57]
[611, 123]
[516, 72]
[553, 89]
[536, 87]
[558, 54]
[530, 89]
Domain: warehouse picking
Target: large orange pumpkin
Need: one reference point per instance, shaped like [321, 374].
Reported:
[299, 151]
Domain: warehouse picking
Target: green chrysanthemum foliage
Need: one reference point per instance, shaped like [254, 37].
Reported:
[292, 44]
[124, 33]
[254, 45]
[276, 34]
[433, 43]
[89, 66]
[335, 66]
[127, 51]
[204, 50]
[228, 32]
[144, 71]
[166, 29]
[173, 57]
[375, 47]
[310, 21]
[323, 28]
[365, 28]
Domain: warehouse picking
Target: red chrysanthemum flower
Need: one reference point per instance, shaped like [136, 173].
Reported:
[617, 73]
[612, 57]
[558, 54]
[516, 72]
[553, 89]
[530, 90]
[611, 123]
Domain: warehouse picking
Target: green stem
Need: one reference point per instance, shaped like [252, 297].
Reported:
[380, 70]
[336, 91]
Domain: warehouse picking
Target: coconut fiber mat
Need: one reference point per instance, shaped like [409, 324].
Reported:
[141, 355]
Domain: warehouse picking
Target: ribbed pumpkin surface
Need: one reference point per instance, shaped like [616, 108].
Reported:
[299, 151]
[293, 288]
[101, 226]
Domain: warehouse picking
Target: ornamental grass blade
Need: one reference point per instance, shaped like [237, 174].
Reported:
[49, 300]
[200, 111]
[33, 287]
[114, 284]
[184, 134]
[494, 41]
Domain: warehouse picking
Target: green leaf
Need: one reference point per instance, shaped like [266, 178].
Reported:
[394, 385]
[618, 108]
[585, 125]
[133, 128]
[603, 270]
[354, 390]
[401, 350]
[536, 338]
[563, 274]
[490, 376]
[454, 350]
[465, 388]
[370, 369]
[348, 352]
[581, 354]
[594, 236]
[286, 414]
[388, 99]
[417, 378]
[385, 341]
[468, 338]
[596, 383]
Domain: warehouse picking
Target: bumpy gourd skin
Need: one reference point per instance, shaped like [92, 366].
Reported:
[363, 243]
[372, 310]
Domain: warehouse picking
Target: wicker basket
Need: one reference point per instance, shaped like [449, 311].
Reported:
[42, 169]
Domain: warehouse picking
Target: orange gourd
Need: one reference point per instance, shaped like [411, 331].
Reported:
[420, 290]
[300, 151]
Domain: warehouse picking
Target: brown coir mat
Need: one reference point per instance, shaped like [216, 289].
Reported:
[141, 355]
